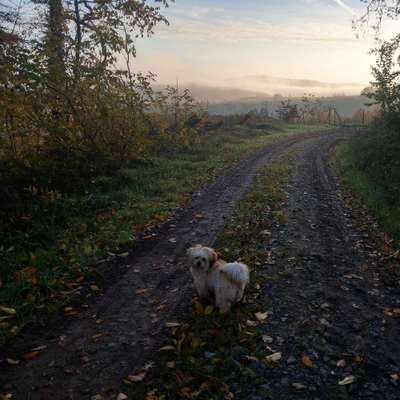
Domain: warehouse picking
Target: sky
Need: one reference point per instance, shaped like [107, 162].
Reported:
[286, 46]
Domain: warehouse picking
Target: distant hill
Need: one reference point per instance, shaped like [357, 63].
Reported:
[345, 105]
[216, 94]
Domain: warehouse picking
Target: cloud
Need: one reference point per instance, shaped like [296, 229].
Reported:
[345, 7]
[231, 30]
[297, 83]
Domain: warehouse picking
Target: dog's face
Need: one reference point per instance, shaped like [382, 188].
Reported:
[201, 258]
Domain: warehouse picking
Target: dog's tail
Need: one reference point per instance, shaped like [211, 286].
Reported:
[237, 272]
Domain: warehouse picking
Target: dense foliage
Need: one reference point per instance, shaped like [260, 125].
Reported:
[70, 108]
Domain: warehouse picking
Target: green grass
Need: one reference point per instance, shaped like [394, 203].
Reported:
[370, 167]
[198, 361]
[57, 240]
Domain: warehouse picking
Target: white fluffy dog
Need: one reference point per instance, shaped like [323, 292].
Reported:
[213, 276]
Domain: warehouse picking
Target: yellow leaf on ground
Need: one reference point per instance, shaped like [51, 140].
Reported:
[199, 309]
[347, 381]
[8, 310]
[307, 362]
[95, 288]
[172, 324]
[209, 309]
[168, 348]
[12, 361]
[275, 357]
[261, 316]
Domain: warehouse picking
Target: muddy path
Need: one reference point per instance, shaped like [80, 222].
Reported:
[122, 330]
[327, 301]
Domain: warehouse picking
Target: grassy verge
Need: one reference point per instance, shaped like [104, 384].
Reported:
[47, 253]
[370, 168]
[200, 360]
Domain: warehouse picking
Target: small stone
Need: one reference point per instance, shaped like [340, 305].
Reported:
[290, 360]
[267, 339]
[299, 386]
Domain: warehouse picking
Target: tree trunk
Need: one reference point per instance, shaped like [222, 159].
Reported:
[55, 44]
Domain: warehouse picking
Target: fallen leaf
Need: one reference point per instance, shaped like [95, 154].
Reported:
[95, 288]
[7, 396]
[341, 363]
[141, 291]
[199, 309]
[358, 359]
[307, 362]
[299, 386]
[172, 324]
[11, 361]
[122, 396]
[148, 366]
[8, 310]
[168, 348]
[392, 312]
[261, 316]
[123, 254]
[347, 381]
[97, 336]
[40, 348]
[251, 323]
[171, 364]
[209, 310]
[30, 355]
[267, 339]
[137, 378]
[395, 377]
[151, 396]
[275, 357]
[97, 397]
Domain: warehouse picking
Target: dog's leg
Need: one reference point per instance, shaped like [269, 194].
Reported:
[222, 302]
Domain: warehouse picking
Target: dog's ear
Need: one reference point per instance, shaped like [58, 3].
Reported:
[213, 256]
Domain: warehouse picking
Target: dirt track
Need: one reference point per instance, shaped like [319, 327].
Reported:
[156, 287]
[328, 303]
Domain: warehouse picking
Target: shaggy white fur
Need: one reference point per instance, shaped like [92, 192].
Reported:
[213, 276]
